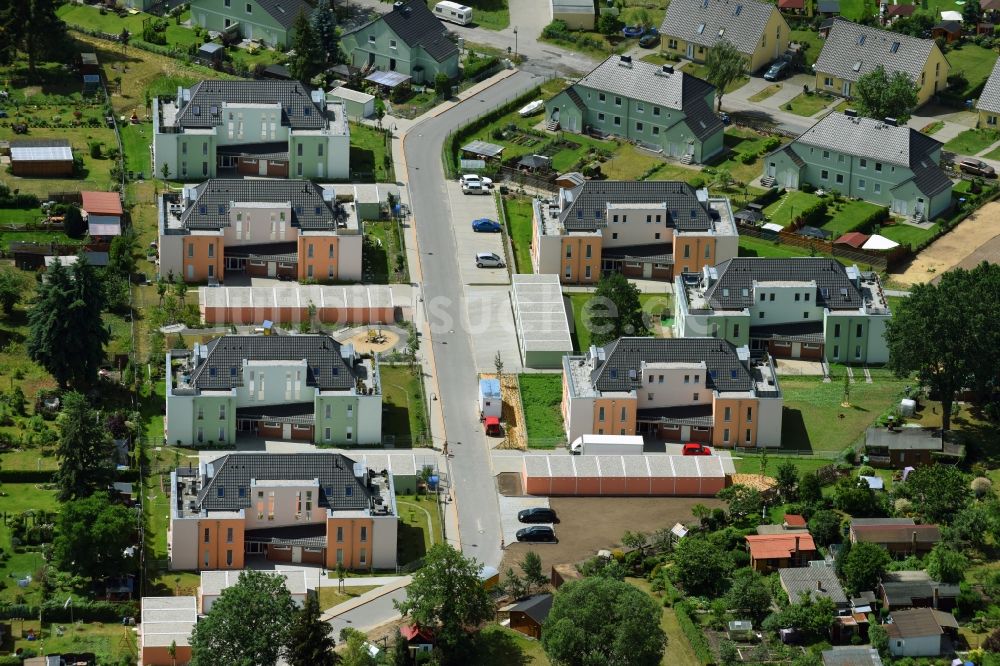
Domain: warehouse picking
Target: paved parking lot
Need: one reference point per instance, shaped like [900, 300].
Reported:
[509, 506]
[465, 209]
[491, 326]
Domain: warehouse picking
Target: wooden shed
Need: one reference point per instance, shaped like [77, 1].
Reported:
[528, 615]
[41, 158]
[564, 573]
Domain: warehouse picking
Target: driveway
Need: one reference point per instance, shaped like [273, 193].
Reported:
[509, 506]
[464, 209]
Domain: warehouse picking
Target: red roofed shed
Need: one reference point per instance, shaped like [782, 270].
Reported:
[854, 239]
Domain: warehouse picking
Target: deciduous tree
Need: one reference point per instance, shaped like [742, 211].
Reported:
[812, 617]
[94, 537]
[946, 565]
[603, 621]
[701, 568]
[787, 476]
[748, 593]
[825, 527]
[247, 623]
[938, 492]
[13, 284]
[810, 489]
[863, 566]
[743, 502]
[84, 450]
[309, 641]
[447, 595]
[725, 65]
[881, 95]
[615, 310]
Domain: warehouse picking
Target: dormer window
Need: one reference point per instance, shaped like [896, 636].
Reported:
[306, 111]
[196, 110]
[222, 209]
[203, 210]
[319, 210]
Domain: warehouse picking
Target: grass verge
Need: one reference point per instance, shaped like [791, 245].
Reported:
[404, 416]
[541, 395]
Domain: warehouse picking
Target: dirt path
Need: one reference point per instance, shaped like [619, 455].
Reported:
[976, 239]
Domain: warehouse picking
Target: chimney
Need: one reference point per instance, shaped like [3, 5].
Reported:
[668, 69]
[819, 586]
[850, 113]
[936, 597]
[625, 61]
[892, 122]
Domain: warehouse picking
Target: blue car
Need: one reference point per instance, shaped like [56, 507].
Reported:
[633, 31]
[486, 224]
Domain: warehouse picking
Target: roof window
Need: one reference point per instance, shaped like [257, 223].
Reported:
[894, 47]
[857, 66]
[861, 40]
[196, 110]
[722, 31]
[739, 8]
[701, 27]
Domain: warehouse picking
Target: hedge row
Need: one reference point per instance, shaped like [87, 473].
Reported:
[695, 636]
[769, 196]
[878, 217]
[88, 611]
[812, 216]
[456, 138]
[49, 476]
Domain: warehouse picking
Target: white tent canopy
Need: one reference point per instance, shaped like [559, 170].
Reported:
[951, 15]
[877, 242]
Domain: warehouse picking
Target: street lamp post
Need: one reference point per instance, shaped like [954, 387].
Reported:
[515, 43]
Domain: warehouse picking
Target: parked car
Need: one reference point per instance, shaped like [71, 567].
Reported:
[651, 39]
[538, 514]
[694, 449]
[486, 224]
[977, 168]
[777, 71]
[473, 184]
[489, 260]
[536, 533]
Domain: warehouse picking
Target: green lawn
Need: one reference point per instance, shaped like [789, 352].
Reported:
[136, 140]
[701, 71]
[384, 260]
[104, 640]
[371, 154]
[932, 128]
[765, 93]
[679, 651]
[659, 59]
[499, 646]
[975, 62]
[89, 17]
[749, 463]
[96, 174]
[993, 154]
[16, 498]
[807, 104]
[813, 418]
[541, 395]
[972, 141]
[849, 217]
[330, 597]
[654, 305]
[490, 14]
[906, 234]
[419, 528]
[810, 41]
[741, 142]
[519, 214]
[784, 210]
[404, 415]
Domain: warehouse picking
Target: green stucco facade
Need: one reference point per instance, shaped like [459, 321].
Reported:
[376, 45]
[339, 414]
[214, 419]
[252, 20]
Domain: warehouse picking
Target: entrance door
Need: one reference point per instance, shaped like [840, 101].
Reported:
[690, 51]
[319, 169]
[296, 554]
[647, 270]
[918, 208]
[772, 169]
[190, 272]
[791, 180]
[261, 167]
[249, 34]
[796, 349]
[286, 431]
[847, 89]
[272, 269]
[686, 433]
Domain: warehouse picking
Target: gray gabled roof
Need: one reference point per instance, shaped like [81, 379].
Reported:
[871, 139]
[817, 581]
[734, 288]
[285, 11]
[223, 367]
[415, 24]
[852, 50]
[210, 208]
[624, 357]
[646, 82]
[928, 178]
[684, 211]
[904, 439]
[298, 111]
[339, 488]
[989, 99]
[536, 607]
[707, 22]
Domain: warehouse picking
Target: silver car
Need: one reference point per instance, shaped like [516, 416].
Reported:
[489, 260]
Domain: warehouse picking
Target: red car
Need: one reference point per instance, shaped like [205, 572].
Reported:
[692, 449]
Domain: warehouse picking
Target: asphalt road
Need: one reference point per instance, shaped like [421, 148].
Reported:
[370, 615]
[444, 302]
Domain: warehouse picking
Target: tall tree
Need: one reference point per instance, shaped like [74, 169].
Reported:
[84, 450]
[701, 568]
[324, 27]
[603, 621]
[247, 624]
[743, 502]
[725, 65]
[94, 537]
[447, 596]
[13, 284]
[122, 253]
[881, 95]
[615, 310]
[355, 651]
[787, 476]
[32, 27]
[749, 593]
[309, 641]
[67, 335]
[825, 527]
[810, 489]
[863, 566]
[938, 492]
[309, 57]
[810, 616]
[73, 223]
[946, 565]
[531, 566]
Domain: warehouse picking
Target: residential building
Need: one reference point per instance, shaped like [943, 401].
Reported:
[900, 536]
[303, 508]
[41, 158]
[808, 307]
[409, 40]
[921, 632]
[896, 448]
[851, 655]
[864, 158]
[165, 630]
[658, 107]
[814, 581]
[851, 50]
[988, 103]
[293, 387]
[915, 589]
[528, 615]
[691, 28]
[214, 583]
[771, 552]
[262, 227]
[576, 14]
[648, 229]
[250, 128]
[681, 390]
[270, 22]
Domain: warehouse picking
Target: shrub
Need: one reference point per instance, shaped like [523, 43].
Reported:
[95, 149]
[981, 486]
[697, 182]
[695, 636]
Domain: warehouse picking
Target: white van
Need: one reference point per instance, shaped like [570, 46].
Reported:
[454, 12]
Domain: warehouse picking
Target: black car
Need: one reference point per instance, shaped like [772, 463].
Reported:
[538, 514]
[536, 533]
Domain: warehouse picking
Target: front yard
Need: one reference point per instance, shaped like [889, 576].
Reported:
[404, 414]
[541, 395]
[419, 526]
[518, 213]
[808, 104]
[371, 154]
[973, 141]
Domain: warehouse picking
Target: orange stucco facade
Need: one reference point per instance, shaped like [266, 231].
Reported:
[742, 417]
[692, 253]
[319, 258]
[581, 259]
[220, 543]
[618, 416]
[349, 540]
[203, 258]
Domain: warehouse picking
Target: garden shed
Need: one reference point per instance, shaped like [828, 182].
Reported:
[41, 158]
